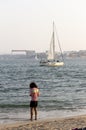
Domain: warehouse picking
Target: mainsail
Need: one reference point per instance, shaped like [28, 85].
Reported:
[51, 52]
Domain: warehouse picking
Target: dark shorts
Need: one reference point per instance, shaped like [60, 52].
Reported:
[33, 103]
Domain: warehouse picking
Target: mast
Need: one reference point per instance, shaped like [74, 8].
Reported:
[53, 42]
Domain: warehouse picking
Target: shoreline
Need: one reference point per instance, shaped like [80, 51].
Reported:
[12, 116]
[65, 123]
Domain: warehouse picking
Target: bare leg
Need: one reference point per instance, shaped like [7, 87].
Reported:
[31, 113]
[35, 109]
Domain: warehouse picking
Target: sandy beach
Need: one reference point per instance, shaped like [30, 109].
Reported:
[67, 123]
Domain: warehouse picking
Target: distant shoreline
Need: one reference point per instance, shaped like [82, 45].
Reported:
[66, 54]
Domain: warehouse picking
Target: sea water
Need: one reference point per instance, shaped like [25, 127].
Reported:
[62, 89]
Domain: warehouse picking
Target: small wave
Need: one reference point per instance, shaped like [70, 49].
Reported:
[14, 105]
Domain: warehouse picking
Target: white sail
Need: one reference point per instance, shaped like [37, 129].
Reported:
[51, 52]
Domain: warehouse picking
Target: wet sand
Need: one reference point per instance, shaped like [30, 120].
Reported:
[67, 123]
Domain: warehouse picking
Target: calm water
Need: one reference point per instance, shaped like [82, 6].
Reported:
[62, 89]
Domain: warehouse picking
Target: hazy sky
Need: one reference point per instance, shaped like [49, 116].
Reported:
[27, 24]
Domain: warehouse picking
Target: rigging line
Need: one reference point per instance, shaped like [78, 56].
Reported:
[59, 43]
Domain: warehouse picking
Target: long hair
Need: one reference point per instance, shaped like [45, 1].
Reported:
[33, 85]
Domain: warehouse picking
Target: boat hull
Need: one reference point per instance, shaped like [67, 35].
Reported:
[52, 64]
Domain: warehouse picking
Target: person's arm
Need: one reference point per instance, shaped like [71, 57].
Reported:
[30, 92]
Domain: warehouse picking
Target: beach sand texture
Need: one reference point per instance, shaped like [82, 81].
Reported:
[48, 124]
[68, 123]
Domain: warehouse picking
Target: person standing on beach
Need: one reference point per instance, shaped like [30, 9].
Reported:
[34, 93]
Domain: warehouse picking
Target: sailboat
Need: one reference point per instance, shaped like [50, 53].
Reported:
[51, 59]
